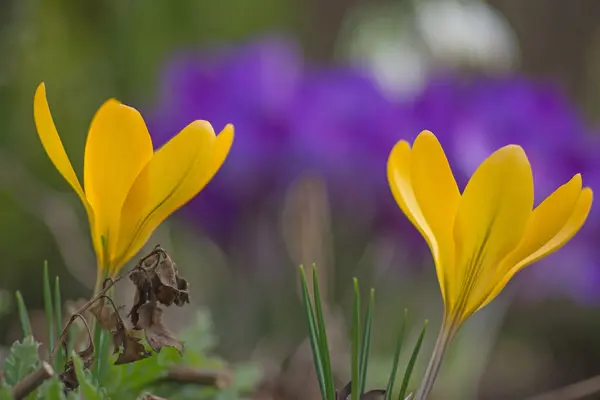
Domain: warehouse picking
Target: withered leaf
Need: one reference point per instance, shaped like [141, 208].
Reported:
[133, 351]
[154, 257]
[157, 279]
[119, 337]
[157, 334]
[167, 272]
[344, 393]
[377, 394]
[169, 287]
[184, 296]
[139, 299]
[68, 376]
[141, 279]
[143, 283]
[105, 314]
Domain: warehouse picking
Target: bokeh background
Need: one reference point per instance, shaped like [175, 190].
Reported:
[319, 92]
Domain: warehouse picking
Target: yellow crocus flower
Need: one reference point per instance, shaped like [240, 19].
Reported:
[481, 238]
[129, 188]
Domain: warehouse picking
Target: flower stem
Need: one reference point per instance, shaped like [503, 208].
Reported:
[445, 336]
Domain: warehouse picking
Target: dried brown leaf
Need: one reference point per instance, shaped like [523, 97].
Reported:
[157, 335]
[169, 287]
[156, 278]
[119, 337]
[166, 272]
[133, 350]
[184, 296]
[377, 394]
[143, 283]
[105, 314]
[69, 377]
[344, 394]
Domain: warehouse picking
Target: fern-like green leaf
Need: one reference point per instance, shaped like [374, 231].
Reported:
[5, 392]
[52, 389]
[135, 377]
[21, 361]
[88, 386]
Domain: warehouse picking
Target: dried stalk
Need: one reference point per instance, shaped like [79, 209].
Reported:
[219, 379]
[32, 381]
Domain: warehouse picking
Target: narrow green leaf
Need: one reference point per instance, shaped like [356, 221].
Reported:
[88, 386]
[323, 345]
[390, 385]
[73, 396]
[48, 308]
[355, 395]
[102, 354]
[59, 358]
[366, 345]
[313, 335]
[21, 361]
[23, 315]
[411, 362]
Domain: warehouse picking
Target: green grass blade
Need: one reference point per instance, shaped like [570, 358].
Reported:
[48, 309]
[59, 358]
[23, 315]
[102, 353]
[323, 345]
[312, 334]
[411, 363]
[355, 342]
[390, 386]
[366, 345]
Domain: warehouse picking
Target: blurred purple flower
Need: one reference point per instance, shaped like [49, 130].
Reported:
[252, 87]
[343, 127]
[290, 118]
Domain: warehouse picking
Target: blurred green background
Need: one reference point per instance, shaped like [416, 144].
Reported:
[89, 51]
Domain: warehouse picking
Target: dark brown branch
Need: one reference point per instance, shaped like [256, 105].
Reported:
[32, 381]
[578, 390]
[150, 396]
[205, 377]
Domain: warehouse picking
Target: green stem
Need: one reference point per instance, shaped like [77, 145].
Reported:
[444, 338]
[99, 334]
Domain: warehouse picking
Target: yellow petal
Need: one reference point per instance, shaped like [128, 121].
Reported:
[117, 149]
[490, 222]
[438, 197]
[570, 226]
[178, 171]
[399, 177]
[57, 154]
[546, 220]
